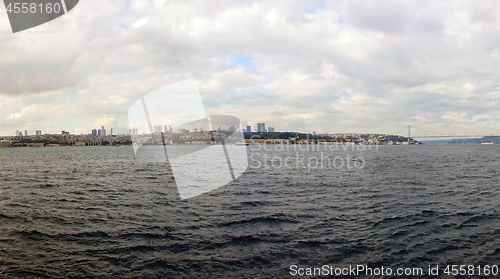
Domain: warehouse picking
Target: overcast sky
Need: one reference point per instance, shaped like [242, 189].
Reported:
[324, 66]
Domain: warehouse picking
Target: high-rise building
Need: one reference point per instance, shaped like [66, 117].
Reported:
[249, 129]
[25, 133]
[17, 133]
[132, 131]
[38, 133]
[232, 129]
[94, 132]
[111, 132]
[102, 131]
[261, 127]
[165, 129]
[271, 129]
[157, 129]
[170, 129]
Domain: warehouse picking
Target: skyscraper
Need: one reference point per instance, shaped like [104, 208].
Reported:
[94, 132]
[25, 133]
[271, 129]
[249, 129]
[261, 127]
[38, 133]
[157, 129]
[132, 131]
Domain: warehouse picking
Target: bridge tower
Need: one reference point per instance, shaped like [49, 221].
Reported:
[408, 134]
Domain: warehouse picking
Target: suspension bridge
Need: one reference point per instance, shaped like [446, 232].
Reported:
[438, 135]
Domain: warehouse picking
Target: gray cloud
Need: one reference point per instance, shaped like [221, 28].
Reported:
[371, 66]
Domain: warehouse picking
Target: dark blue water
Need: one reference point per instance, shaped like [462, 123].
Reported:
[94, 212]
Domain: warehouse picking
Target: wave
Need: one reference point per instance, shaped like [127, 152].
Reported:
[263, 219]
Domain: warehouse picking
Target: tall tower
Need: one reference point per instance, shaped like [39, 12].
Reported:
[409, 134]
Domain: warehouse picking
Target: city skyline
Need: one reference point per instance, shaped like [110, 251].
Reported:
[95, 132]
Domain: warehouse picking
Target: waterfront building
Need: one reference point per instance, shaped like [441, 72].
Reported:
[5, 143]
[261, 127]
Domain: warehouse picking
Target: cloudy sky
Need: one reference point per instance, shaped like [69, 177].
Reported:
[324, 66]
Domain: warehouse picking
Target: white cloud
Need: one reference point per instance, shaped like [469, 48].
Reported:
[141, 22]
[119, 100]
[27, 112]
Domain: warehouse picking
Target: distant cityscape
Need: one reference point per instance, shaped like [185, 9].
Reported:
[95, 132]
[168, 129]
[97, 137]
[157, 129]
[196, 136]
[259, 135]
